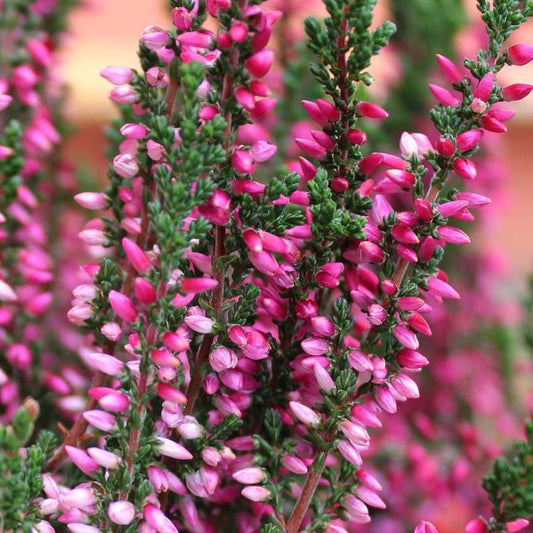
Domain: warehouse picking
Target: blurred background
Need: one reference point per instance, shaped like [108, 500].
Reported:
[105, 32]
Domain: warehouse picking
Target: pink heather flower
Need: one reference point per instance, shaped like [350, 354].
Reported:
[5, 101]
[304, 414]
[449, 69]
[82, 528]
[249, 476]
[443, 96]
[7, 294]
[222, 358]
[242, 161]
[123, 94]
[125, 165]
[111, 330]
[123, 306]
[154, 37]
[369, 497]
[169, 448]
[425, 527]
[104, 363]
[349, 452]
[517, 525]
[477, 525]
[294, 464]
[255, 493]
[82, 460]
[195, 38]
[100, 420]
[517, 91]
[157, 520]
[117, 75]
[520, 54]
[259, 63]
[104, 458]
[199, 323]
[468, 140]
[465, 168]
[198, 285]
[121, 512]
[323, 378]
[136, 256]
[370, 110]
[91, 200]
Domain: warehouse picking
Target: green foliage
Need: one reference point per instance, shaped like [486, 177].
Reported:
[509, 484]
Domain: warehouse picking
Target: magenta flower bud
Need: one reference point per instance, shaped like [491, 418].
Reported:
[7, 294]
[406, 337]
[485, 86]
[368, 480]
[19, 355]
[171, 394]
[263, 151]
[134, 131]
[169, 448]
[242, 161]
[517, 91]
[323, 378]
[249, 476]
[157, 520]
[442, 288]
[198, 39]
[154, 37]
[355, 433]
[425, 527]
[410, 303]
[376, 314]
[255, 493]
[449, 69]
[125, 165]
[329, 110]
[91, 200]
[100, 420]
[516, 525]
[403, 234]
[311, 148]
[493, 124]
[157, 77]
[43, 527]
[259, 63]
[356, 509]
[199, 323]
[465, 168]
[477, 525]
[385, 399]
[136, 256]
[245, 98]
[520, 54]
[112, 331]
[408, 145]
[123, 306]
[323, 326]
[411, 359]
[104, 458]
[82, 528]
[116, 402]
[369, 497]
[222, 358]
[121, 512]
[238, 32]
[5, 101]
[468, 140]
[158, 478]
[198, 285]
[79, 497]
[453, 208]
[360, 361]
[349, 452]
[323, 139]
[117, 75]
[370, 110]
[364, 416]
[306, 309]
[315, 346]
[445, 147]
[304, 414]
[104, 363]
[294, 464]
[478, 106]
[453, 235]
[443, 96]
[370, 252]
[144, 291]
[314, 111]
[82, 460]
[356, 137]
[123, 94]
[405, 386]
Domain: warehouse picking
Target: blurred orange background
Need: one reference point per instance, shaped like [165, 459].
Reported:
[106, 32]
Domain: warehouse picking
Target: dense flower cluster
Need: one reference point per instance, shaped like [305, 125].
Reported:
[249, 326]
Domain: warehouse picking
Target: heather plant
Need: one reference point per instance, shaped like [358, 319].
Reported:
[247, 325]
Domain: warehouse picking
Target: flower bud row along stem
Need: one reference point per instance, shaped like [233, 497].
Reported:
[248, 324]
